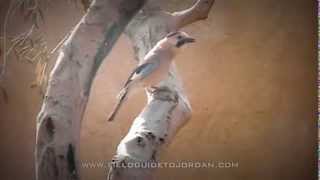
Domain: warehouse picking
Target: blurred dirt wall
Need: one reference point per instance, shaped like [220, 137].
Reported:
[251, 80]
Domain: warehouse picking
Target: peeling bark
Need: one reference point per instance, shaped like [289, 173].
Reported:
[58, 123]
[168, 108]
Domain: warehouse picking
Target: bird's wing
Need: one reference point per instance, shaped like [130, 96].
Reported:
[142, 71]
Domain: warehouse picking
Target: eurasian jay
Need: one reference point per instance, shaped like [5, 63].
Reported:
[154, 67]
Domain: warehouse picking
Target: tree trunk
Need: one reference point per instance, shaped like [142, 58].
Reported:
[58, 123]
[168, 108]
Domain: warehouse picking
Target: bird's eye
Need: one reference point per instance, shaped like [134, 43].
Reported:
[179, 37]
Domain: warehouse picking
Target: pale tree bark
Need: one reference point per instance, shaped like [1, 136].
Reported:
[168, 108]
[58, 123]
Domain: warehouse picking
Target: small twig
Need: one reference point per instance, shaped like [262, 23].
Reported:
[36, 56]
[6, 20]
[32, 7]
[59, 44]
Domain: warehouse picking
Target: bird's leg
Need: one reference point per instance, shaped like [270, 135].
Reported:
[151, 89]
[162, 93]
[155, 89]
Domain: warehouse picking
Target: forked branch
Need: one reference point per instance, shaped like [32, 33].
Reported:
[199, 11]
[167, 109]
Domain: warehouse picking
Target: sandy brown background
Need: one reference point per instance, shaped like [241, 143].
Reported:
[251, 80]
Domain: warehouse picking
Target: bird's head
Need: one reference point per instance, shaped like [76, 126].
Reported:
[178, 39]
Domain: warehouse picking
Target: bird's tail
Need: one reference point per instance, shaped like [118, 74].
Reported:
[121, 98]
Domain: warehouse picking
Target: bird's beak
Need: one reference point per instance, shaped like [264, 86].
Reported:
[185, 41]
[189, 40]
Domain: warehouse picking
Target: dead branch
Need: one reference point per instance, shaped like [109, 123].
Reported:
[168, 108]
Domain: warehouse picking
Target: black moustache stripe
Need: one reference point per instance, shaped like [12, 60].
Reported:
[171, 34]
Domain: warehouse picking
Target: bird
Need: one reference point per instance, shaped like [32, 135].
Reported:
[154, 67]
